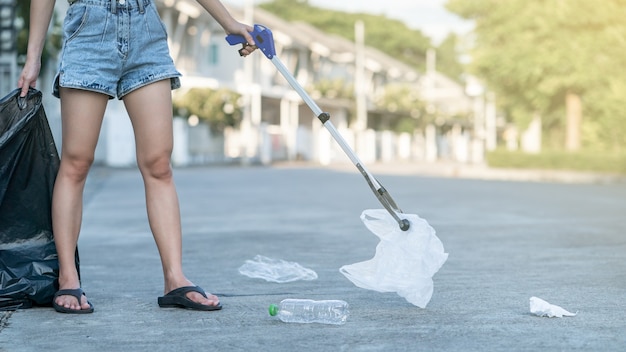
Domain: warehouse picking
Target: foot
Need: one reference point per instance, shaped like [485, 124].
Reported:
[71, 301]
[69, 280]
[210, 300]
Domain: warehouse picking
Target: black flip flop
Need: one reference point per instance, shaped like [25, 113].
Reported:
[78, 293]
[178, 299]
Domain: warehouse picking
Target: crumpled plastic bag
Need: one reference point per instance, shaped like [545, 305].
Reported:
[542, 308]
[405, 261]
[276, 270]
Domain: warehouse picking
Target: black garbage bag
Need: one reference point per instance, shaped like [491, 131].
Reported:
[28, 166]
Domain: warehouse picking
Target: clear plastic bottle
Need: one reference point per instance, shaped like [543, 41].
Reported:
[310, 311]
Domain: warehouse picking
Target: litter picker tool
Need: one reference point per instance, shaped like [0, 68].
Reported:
[407, 257]
[264, 40]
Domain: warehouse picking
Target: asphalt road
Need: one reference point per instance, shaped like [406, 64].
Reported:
[507, 241]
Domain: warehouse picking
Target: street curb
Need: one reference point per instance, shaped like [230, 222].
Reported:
[457, 170]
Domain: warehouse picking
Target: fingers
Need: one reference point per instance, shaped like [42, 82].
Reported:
[247, 49]
[250, 46]
[249, 39]
[28, 78]
[23, 86]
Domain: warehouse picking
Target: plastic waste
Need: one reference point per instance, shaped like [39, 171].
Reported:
[28, 166]
[541, 308]
[405, 261]
[292, 310]
[276, 270]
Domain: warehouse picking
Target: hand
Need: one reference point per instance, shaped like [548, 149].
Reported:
[244, 30]
[247, 49]
[28, 77]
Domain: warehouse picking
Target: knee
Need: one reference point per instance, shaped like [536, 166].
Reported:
[156, 168]
[75, 168]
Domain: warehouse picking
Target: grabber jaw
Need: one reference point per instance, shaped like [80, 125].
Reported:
[404, 224]
[263, 39]
[384, 198]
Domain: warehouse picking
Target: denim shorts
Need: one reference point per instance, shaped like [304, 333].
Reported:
[114, 47]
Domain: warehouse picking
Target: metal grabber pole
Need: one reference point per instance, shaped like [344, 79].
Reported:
[264, 40]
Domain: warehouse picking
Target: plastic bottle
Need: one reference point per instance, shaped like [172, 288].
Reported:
[310, 311]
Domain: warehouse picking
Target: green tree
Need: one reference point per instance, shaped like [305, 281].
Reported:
[219, 108]
[333, 89]
[404, 110]
[448, 58]
[551, 57]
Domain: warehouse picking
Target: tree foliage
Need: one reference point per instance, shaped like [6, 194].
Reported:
[333, 88]
[534, 53]
[448, 58]
[400, 98]
[219, 108]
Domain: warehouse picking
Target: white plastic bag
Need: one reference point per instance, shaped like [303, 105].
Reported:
[405, 261]
[541, 308]
[276, 270]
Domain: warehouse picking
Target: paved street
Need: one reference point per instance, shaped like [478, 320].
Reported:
[507, 241]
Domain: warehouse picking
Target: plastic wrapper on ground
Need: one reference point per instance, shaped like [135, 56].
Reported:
[541, 308]
[404, 262]
[276, 270]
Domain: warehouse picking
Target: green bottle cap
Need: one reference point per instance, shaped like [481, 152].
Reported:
[273, 310]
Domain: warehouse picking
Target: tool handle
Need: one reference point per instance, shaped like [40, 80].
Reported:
[263, 39]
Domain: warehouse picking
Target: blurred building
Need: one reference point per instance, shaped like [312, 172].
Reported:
[277, 125]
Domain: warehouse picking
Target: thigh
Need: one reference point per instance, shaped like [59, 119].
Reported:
[150, 111]
[81, 113]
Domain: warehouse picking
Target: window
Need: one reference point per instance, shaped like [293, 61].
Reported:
[213, 54]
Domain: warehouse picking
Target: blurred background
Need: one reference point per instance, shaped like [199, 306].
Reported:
[512, 83]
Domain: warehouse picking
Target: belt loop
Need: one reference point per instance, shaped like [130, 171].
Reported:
[113, 6]
[141, 6]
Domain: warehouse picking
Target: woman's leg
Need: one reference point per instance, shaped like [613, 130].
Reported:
[150, 110]
[81, 113]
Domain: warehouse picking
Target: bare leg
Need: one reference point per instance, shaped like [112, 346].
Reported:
[150, 110]
[82, 113]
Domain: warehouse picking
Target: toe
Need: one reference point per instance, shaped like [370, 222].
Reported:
[85, 304]
[70, 302]
[210, 300]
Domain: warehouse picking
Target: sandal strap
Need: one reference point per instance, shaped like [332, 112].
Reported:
[182, 291]
[76, 292]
